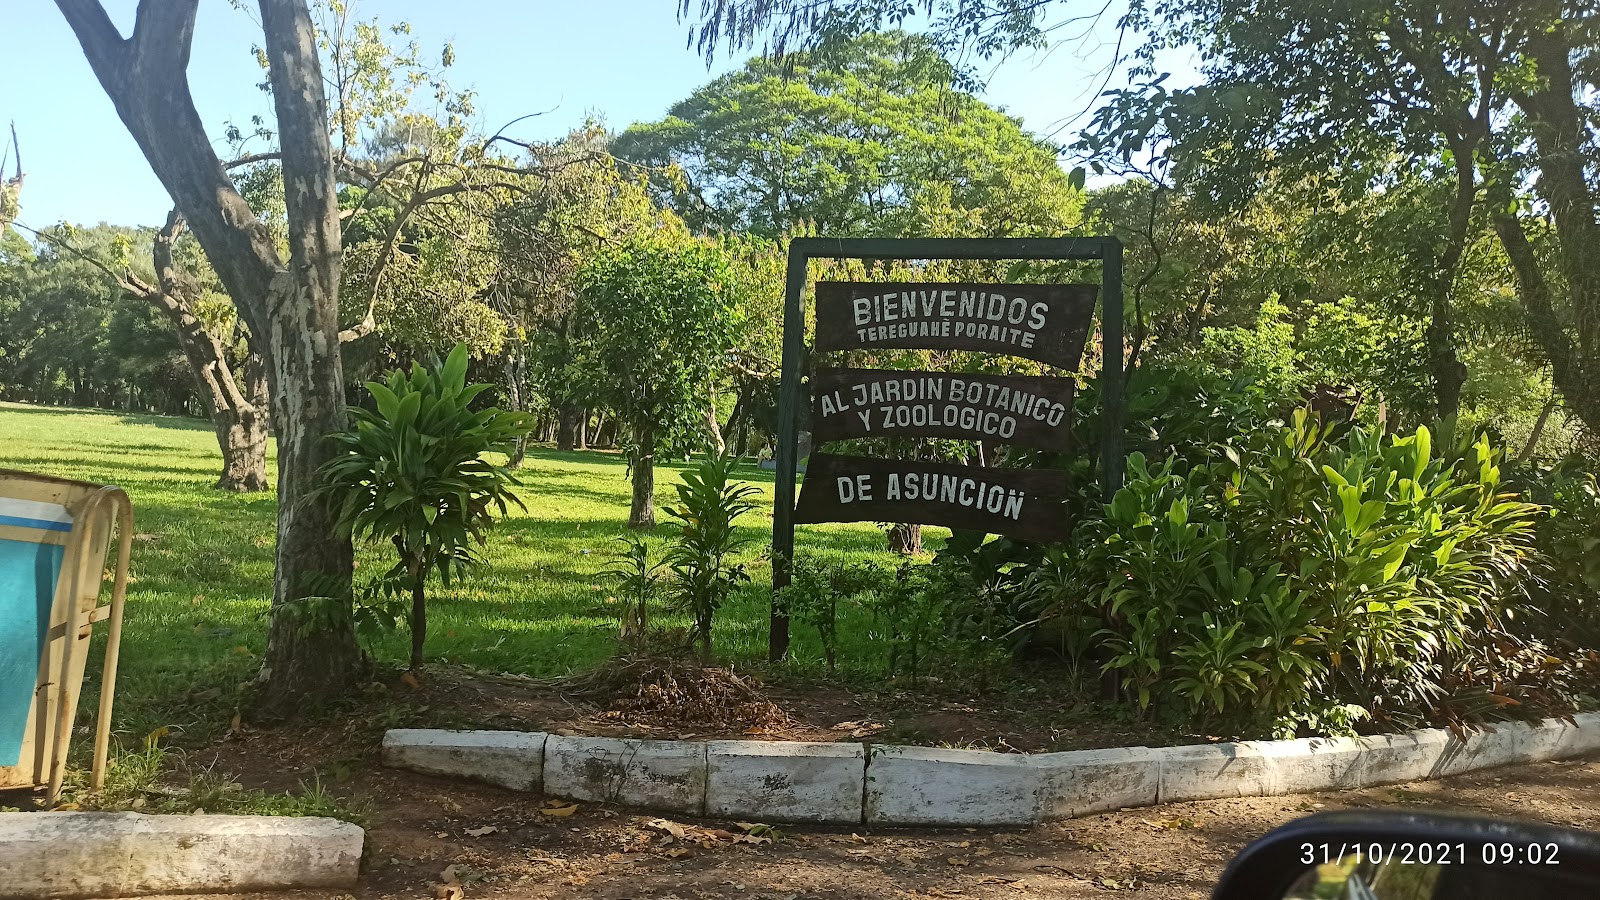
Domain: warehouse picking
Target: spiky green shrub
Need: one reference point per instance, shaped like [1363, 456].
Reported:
[416, 472]
[1306, 582]
[700, 555]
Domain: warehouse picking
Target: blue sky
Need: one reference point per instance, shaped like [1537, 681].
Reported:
[624, 59]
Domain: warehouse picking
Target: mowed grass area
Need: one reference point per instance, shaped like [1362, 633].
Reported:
[202, 568]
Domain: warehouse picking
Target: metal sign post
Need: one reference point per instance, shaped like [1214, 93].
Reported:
[1047, 323]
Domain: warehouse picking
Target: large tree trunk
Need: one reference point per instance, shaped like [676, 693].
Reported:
[713, 431]
[244, 450]
[239, 417]
[905, 539]
[292, 309]
[1560, 137]
[1449, 373]
[642, 514]
[572, 416]
[308, 381]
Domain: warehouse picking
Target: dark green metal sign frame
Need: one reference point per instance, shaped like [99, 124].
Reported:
[1107, 250]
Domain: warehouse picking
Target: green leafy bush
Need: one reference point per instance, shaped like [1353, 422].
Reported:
[413, 473]
[639, 582]
[699, 557]
[1302, 580]
[1565, 598]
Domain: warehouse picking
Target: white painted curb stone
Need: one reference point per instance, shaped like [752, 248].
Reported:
[1212, 771]
[785, 781]
[881, 785]
[1313, 764]
[1409, 756]
[86, 854]
[510, 759]
[1575, 740]
[1080, 782]
[933, 786]
[664, 775]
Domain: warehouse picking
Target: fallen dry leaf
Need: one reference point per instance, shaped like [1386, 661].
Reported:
[480, 832]
[667, 826]
[557, 808]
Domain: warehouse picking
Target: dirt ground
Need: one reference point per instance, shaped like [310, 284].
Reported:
[503, 847]
[1026, 717]
[431, 837]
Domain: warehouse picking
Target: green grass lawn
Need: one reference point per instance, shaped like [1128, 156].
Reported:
[196, 615]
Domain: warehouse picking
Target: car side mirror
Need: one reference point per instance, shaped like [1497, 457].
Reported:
[1365, 855]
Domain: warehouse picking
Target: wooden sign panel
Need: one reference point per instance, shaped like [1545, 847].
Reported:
[1044, 322]
[1028, 410]
[1021, 503]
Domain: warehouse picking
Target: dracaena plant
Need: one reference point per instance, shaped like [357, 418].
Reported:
[699, 556]
[419, 472]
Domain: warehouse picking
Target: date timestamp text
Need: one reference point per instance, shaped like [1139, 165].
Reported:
[1486, 853]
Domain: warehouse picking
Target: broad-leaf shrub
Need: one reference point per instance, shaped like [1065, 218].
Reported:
[1565, 597]
[415, 472]
[1299, 580]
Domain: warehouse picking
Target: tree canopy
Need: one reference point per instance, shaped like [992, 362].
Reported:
[655, 327]
[870, 136]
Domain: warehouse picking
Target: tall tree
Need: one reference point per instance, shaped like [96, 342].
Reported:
[237, 406]
[656, 322]
[291, 306]
[583, 202]
[236, 403]
[863, 137]
[1366, 93]
[1557, 48]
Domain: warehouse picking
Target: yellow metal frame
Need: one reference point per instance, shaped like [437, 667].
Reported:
[97, 512]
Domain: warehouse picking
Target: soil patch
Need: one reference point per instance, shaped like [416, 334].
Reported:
[669, 700]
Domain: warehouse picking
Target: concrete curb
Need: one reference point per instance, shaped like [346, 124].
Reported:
[665, 775]
[510, 759]
[88, 854]
[786, 781]
[883, 785]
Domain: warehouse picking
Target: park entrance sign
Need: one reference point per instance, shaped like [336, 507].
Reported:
[1043, 322]
[1022, 503]
[1047, 323]
[1030, 410]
